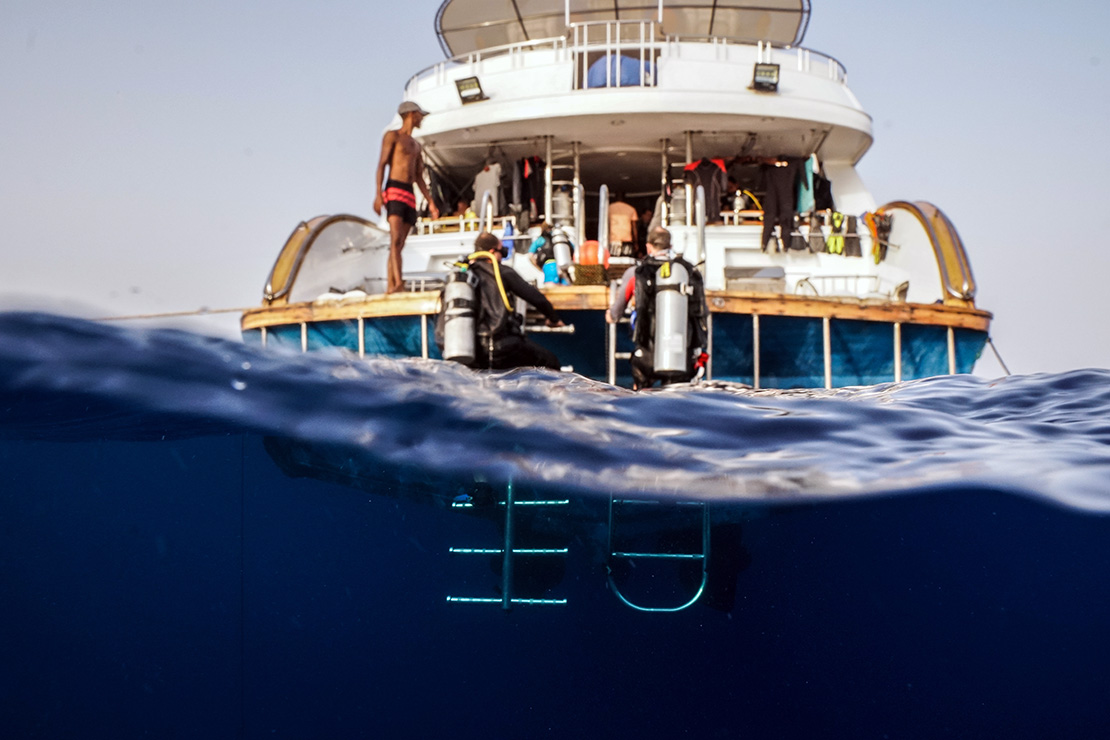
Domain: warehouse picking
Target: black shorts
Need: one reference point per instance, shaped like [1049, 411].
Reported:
[400, 201]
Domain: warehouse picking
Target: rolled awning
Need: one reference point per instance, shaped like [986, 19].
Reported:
[464, 26]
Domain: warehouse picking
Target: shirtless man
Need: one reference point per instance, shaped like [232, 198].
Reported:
[623, 221]
[401, 153]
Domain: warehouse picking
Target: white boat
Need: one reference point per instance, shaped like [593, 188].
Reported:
[624, 97]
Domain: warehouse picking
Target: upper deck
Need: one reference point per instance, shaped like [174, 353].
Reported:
[621, 86]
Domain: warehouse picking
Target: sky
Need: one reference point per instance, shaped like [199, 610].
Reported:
[155, 156]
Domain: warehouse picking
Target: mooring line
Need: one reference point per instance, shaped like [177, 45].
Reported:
[174, 314]
[998, 356]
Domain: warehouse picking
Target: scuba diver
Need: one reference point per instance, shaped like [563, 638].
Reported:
[669, 322]
[478, 325]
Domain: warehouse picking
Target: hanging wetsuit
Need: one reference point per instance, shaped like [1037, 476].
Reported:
[531, 187]
[780, 183]
[822, 193]
[805, 199]
[710, 174]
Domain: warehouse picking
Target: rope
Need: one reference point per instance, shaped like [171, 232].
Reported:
[174, 314]
[998, 356]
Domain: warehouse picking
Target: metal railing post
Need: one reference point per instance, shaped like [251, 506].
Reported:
[548, 186]
[424, 335]
[507, 557]
[755, 351]
[709, 347]
[699, 218]
[951, 351]
[603, 219]
[897, 352]
[486, 211]
[827, 342]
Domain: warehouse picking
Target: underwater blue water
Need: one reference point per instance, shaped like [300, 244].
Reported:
[204, 539]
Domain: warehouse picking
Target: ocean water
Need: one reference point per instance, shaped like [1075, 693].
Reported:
[204, 539]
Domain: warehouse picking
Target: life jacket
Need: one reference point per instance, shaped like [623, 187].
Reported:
[643, 332]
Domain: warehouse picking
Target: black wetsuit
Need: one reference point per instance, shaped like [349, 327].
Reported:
[643, 334]
[500, 342]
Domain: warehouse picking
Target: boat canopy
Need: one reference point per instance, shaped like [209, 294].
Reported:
[465, 26]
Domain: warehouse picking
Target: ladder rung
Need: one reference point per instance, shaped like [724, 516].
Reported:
[545, 329]
[622, 355]
[553, 502]
[486, 600]
[670, 555]
[516, 551]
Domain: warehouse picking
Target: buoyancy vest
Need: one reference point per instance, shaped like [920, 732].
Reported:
[497, 315]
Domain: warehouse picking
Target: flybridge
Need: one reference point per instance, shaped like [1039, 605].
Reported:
[464, 26]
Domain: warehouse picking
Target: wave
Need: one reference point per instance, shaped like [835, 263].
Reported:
[1044, 436]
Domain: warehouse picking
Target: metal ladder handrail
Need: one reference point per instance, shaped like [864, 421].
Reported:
[703, 556]
[507, 551]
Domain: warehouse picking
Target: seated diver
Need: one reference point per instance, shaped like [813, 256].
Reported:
[663, 282]
[499, 342]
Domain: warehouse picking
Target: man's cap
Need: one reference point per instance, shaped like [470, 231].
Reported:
[410, 107]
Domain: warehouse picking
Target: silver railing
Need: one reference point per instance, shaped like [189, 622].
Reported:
[646, 45]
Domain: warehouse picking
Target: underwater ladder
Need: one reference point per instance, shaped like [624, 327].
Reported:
[508, 551]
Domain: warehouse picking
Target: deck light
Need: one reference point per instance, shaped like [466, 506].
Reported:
[470, 90]
[766, 77]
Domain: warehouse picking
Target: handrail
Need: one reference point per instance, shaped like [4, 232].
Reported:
[699, 217]
[486, 211]
[579, 210]
[603, 218]
[703, 556]
[948, 248]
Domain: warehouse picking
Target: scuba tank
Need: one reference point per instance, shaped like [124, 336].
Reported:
[561, 244]
[671, 306]
[459, 304]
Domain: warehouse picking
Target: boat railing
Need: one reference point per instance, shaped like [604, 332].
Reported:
[616, 54]
[516, 54]
[641, 43]
[454, 224]
[852, 286]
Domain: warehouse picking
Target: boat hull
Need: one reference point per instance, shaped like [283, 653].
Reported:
[766, 342]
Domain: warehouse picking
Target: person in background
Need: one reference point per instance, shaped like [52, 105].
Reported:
[623, 222]
[463, 209]
[402, 155]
